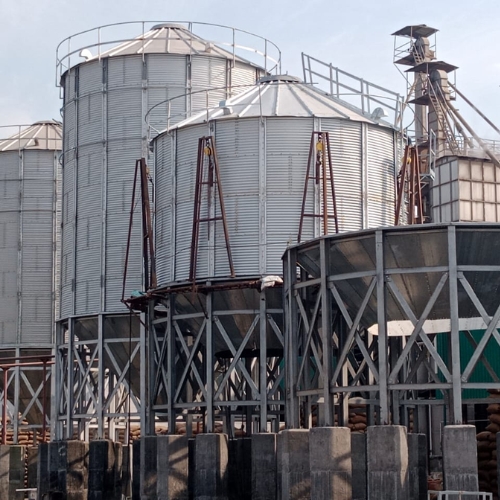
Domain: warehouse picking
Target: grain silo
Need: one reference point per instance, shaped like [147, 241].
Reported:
[172, 72]
[223, 220]
[29, 230]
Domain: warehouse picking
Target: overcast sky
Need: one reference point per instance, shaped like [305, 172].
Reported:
[353, 35]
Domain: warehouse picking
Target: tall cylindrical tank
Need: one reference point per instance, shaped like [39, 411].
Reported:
[29, 232]
[263, 140]
[113, 101]
[105, 100]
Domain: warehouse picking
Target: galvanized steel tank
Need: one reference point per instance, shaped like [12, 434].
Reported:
[166, 70]
[30, 175]
[29, 229]
[263, 138]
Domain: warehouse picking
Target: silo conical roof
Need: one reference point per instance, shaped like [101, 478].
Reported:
[282, 96]
[44, 135]
[168, 38]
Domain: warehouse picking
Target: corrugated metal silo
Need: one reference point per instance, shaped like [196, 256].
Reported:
[263, 138]
[161, 76]
[29, 231]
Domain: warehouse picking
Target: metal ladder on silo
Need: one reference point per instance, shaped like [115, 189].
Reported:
[319, 170]
[208, 175]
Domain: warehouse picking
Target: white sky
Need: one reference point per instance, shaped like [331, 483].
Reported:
[353, 35]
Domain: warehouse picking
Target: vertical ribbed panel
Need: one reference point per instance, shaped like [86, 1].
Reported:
[88, 229]
[9, 245]
[237, 144]
[348, 171]
[381, 171]
[208, 73]
[185, 176]
[27, 225]
[164, 212]
[122, 156]
[287, 149]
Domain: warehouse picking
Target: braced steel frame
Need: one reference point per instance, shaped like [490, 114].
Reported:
[331, 357]
[192, 383]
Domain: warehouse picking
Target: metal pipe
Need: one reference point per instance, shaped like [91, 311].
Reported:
[485, 148]
[4, 409]
[474, 107]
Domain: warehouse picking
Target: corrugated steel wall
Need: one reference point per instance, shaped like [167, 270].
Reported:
[105, 103]
[263, 165]
[28, 229]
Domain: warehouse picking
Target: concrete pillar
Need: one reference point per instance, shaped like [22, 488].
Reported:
[211, 456]
[4, 470]
[32, 466]
[330, 463]
[387, 462]
[358, 462]
[17, 469]
[102, 471]
[191, 466]
[55, 465]
[120, 477]
[172, 467]
[264, 465]
[149, 475]
[136, 469]
[240, 468]
[417, 466]
[293, 463]
[460, 458]
[42, 470]
[75, 463]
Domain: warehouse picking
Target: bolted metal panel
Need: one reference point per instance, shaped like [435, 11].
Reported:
[241, 74]
[92, 82]
[381, 176]
[208, 73]
[38, 276]
[121, 164]
[240, 184]
[348, 170]
[164, 214]
[185, 173]
[90, 118]
[287, 150]
[123, 71]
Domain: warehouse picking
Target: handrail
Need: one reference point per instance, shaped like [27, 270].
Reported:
[366, 99]
[268, 53]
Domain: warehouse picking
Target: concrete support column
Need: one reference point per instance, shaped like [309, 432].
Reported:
[42, 470]
[75, 462]
[293, 465]
[103, 471]
[387, 462]
[264, 467]
[358, 462]
[32, 466]
[460, 458]
[211, 456]
[417, 466]
[240, 468]
[172, 467]
[136, 469]
[330, 463]
[149, 476]
[17, 469]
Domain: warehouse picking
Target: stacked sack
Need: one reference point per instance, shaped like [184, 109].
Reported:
[487, 450]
